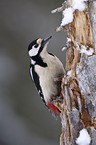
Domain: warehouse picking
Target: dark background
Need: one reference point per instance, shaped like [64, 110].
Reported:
[24, 119]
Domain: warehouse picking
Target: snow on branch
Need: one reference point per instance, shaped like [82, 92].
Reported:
[84, 138]
[67, 44]
[68, 16]
[60, 9]
[84, 49]
[68, 12]
[57, 10]
[79, 4]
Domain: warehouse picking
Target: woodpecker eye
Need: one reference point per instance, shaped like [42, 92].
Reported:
[36, 45]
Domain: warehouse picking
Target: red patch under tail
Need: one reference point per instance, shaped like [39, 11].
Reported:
[54, 108]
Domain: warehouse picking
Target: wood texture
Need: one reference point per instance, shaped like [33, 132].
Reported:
[78, 109]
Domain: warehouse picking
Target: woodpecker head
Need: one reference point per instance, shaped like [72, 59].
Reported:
[37, 46]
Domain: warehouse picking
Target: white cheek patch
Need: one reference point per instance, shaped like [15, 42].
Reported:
[33, 51]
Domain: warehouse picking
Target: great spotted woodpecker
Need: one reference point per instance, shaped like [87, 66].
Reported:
[44, 69]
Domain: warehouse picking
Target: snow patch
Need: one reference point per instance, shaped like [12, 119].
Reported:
[84, 138]
[68, 12]
[68, 39]
[79, 4]
[64, 48]
[69, 73]
[68, 16]
[83, 49]
[88, 52]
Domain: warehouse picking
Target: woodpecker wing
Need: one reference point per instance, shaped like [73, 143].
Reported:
[35, 78]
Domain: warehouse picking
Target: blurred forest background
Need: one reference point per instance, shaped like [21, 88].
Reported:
[24, 119]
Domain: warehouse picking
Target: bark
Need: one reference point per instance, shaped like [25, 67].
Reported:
[92, 13]
[78, 109]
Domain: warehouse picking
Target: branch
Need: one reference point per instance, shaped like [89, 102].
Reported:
[78, 110]
[92, 12]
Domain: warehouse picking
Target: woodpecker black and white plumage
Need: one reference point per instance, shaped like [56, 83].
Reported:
[44, 69]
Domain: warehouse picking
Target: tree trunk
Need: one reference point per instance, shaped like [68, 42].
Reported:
[78, 110]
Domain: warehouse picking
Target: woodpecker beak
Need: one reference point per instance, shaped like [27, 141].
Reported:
[46, 40]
